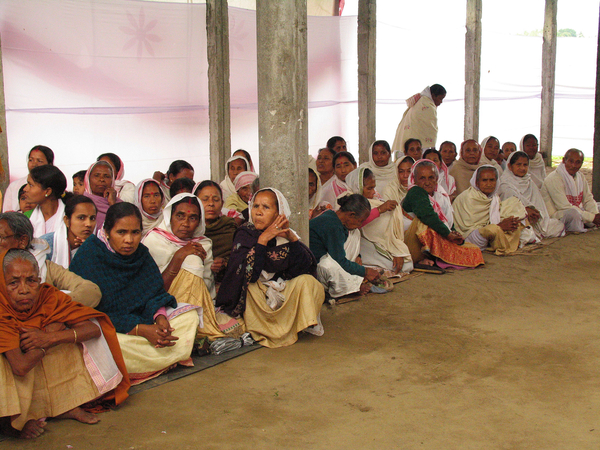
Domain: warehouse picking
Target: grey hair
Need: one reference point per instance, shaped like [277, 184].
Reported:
[256, 185]
[16, 254]
[574, 150]
[483, 168]
[19, 224]
[426, 163]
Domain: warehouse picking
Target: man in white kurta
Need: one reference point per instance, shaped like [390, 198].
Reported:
[566, 193]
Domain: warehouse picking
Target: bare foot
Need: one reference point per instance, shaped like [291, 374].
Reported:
[426, 262]
[80, 415]
[32, 429]
[365, 288]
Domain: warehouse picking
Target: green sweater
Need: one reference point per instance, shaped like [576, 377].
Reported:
[417, 202]
[328, 235]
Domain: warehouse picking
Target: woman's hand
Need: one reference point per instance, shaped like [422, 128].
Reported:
[279, 227]
[191, 248]
[387, 206]
[533, 215]
[158, 176]
[456, 238]
[509, 224]
[371, 274]
[32, 338]
[218, 265]
[159, 334]
[110, 195]
[398, 262]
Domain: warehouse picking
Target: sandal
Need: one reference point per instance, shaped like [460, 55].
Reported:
[428, 269]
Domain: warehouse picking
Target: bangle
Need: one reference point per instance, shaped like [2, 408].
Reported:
[136, 329]
[40, 348]
[74, 336]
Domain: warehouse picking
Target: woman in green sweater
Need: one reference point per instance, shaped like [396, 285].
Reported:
[430, 238]
[335, 242]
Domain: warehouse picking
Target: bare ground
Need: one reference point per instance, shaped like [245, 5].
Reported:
[502, 357]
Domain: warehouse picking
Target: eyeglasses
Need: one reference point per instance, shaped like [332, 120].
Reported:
[4, 238]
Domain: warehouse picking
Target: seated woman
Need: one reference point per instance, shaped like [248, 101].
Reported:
[398, 189]
[337, 144]
[55, 354]
[491, 149]
[99, 185]
[335, 242]
[243, 192]
[79, 223]
[234, 165]
[485, 220]
[516, 182]
[382, 238]
[324, 164]
[46, 188]
[177, 169]
[184, 257]
[448, 152]
[430, 238]
[125, 189]
[16, 231]
[343, 163]
[150, 200]
[537, 166]
[463, 169]
[446, 180]
[246, 155]
[39, 155]
[269, 278]
[152, 337]
[219, 228]
[381, 165]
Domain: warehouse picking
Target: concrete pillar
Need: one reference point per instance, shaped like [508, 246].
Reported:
[596, 169]
[4, 171]
[472, 69]
[217, 34]
[281, 31]
[548, 79]
[367, 37]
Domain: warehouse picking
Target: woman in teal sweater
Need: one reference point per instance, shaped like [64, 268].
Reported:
[335, 242]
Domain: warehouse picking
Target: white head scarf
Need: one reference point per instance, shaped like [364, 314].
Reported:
[537, 166]
[383, 175]
[149, 221]
[495, 204]
[227, 185]
[282, 203]
[314, 201]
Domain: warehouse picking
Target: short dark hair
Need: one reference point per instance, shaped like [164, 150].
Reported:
[437, 89]
[74, 201]
[384, 144]
[432, 150]
[177, 166]
[47, 151]
[118, 211]
[516, 155]
[334, 140]
[355, 203]
[410, 141]
[448, 142]
[80, 175]
[339, 155]
[207, 183]
[22, 190]
[569, 151]
[181, 184]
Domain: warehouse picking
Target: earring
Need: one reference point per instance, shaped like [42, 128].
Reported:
[46, 195]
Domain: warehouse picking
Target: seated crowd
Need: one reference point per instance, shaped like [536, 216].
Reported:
[115, 283]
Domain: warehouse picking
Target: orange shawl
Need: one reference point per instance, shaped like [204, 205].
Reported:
[53, 306]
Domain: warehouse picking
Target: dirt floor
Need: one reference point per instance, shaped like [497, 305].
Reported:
[502, 357]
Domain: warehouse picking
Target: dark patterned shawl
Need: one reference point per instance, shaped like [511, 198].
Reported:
[132, 286]
[248, 259]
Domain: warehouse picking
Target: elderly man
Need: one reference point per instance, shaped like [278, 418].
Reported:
[485, 220]
[16, 231]
[44, 371]
[463, 169]
[567, 194]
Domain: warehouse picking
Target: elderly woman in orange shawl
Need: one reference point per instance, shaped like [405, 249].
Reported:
[55, 354]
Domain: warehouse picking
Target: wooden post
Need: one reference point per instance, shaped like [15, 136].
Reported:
[548, 80]
[596, 169]
[472, 69]
[281, 29]
[217, 34]
[4, 170]
[367, 36]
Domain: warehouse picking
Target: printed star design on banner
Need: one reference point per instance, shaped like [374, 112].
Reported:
[141, 34]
